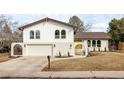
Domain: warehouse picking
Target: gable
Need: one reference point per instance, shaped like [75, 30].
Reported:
[45, 20]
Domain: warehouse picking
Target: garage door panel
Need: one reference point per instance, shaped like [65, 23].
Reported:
[39, 50]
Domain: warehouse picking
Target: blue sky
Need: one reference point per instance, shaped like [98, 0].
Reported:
[99, 22]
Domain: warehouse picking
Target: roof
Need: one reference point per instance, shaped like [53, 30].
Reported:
[42, 20]
[91, 35]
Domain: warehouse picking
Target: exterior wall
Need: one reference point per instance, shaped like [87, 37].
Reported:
[85, 48]
[47, 33]
[63, 48]
[104, 44]
[47, 37]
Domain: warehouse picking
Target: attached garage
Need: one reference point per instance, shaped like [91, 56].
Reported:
[39, 49]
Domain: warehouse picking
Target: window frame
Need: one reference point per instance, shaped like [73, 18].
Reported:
[57, 34]
[89, 43]
[94, 43]
[63, 36]
[31, 34]
[99, 41]
[37, 34]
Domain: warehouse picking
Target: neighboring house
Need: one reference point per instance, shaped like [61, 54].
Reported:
[91, 41]
[45, 37]
[55, 38]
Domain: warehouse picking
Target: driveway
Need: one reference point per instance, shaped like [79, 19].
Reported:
[26, 67]
[22, 67]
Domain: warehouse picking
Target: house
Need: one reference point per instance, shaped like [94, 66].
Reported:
[45, 37]
[91, 41]
[56, 38]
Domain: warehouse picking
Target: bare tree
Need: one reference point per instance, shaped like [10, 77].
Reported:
[7, 30]
[80, 27]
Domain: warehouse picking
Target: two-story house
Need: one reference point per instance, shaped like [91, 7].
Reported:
[45, 37]
[56, 38]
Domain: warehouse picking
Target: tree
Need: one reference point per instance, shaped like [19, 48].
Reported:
[18, 36]
[80, 27]
[116, 30]
[7, 29]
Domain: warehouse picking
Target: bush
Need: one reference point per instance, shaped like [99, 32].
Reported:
[5, 49]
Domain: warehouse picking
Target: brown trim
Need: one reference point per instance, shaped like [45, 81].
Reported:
[42, 20]
[91, 38]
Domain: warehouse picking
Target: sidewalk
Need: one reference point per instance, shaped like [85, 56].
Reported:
[70, 75]
[84, 74]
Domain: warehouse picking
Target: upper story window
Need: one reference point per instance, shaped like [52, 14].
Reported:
[37, 34]
[31, 34]
[63, 34]
[57, 34]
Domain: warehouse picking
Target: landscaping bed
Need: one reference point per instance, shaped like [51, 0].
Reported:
[100, 61]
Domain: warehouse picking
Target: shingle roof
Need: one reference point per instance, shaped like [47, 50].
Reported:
[91, 35]
[42, 20]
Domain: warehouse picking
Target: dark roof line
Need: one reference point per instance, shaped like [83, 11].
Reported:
[92, 35]
[42, 20]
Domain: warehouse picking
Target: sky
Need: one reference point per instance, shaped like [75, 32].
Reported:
[98, 22]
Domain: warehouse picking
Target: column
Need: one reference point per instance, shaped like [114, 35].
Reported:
[86, 48]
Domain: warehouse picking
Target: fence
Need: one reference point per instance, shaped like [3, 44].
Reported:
[121, 46]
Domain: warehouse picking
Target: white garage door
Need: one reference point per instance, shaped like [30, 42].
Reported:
[39, 50]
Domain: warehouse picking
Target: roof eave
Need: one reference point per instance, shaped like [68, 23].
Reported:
[36, 22]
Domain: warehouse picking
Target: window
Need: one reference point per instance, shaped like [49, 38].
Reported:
[63, 34]
[89, 43]
[94, 43]
[98, 43]
[31, 34]
[57, 34]
[79, 46]
[37, 34]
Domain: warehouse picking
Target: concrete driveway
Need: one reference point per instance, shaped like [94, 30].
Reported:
[22, 67]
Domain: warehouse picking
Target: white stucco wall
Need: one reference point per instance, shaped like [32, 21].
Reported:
[47, 37]
[47, 33]
[104, 44]
[63, 48]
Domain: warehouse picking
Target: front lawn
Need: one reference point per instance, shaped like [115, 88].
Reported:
[4, 57]
[101, 61]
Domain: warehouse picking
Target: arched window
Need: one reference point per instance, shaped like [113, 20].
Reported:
[79, 46]
[57, 34]
[98, 43]
[31, 34]
[94, 43]
[89, 43]
[37, 34]
[63, 34]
